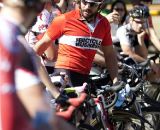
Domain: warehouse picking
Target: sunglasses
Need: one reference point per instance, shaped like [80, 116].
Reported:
[139, 22]
[118, 9]
[91, 4]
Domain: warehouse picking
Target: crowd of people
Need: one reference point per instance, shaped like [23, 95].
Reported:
[42, 37]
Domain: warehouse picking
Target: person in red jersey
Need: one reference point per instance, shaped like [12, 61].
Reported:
[22, 104]
[81, 32]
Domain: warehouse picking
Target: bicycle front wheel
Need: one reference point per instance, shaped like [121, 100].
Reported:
[152, 114]
[86, 127]
[127, 120]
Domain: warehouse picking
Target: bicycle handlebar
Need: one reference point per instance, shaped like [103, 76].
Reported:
[113, 88]
[77, 90]
[137, 87]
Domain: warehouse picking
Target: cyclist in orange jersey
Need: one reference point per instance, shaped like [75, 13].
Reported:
[81, 32]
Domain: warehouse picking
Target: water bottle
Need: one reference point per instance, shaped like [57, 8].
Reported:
[121, 95]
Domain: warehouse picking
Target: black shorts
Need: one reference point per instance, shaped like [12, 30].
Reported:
[50, 69]
[75, 78]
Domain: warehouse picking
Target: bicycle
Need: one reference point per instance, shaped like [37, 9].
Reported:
[141, 102]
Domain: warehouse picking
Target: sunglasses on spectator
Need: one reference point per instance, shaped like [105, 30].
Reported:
[91, 4]
[118, 9]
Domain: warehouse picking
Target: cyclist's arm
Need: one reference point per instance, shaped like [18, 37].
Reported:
[51, 52]
[128, 50]
[110, 55]
[42, 44]
[111, 62]
[152, 33]
[34, 65]
[153, 37]
[54, 31]
[34, 101]
[99, 58]
[46, 80]
[141, 49]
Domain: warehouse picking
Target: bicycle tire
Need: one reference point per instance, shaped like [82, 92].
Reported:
[111, 99]
[152, 94]
[86, 127]
[153, 115]
[124, 117]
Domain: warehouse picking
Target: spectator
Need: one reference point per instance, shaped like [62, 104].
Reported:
[113, 17]
[120, 7]
[50, 11]
[67, 5]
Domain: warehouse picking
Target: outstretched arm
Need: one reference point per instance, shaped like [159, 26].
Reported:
[42, 44]
[46, 80]
[127, 50]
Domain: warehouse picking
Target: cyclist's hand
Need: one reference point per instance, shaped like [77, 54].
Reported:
[62, 99]
[119, 83]
[141, 35]
[156, 69]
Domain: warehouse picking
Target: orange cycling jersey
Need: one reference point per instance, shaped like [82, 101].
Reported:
[77, 43]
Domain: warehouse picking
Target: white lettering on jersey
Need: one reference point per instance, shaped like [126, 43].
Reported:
[81, 42]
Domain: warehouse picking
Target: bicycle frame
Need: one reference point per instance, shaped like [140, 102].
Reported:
[100, 104]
